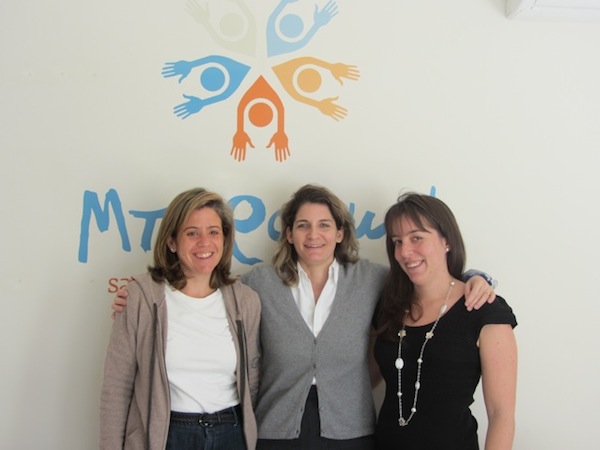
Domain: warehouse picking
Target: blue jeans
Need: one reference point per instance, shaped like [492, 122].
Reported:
[195, 432]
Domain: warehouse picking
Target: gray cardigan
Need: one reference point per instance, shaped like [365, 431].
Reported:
[135, 404]
[337, 357]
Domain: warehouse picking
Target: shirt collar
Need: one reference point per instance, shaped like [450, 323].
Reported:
[333, 272]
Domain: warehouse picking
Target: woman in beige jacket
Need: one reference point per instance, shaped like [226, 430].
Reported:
[187, 378]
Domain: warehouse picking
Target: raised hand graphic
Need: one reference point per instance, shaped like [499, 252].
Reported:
[238, 149]
[323, 16]
[339, 71]
[327, 107]
[280, 143]
[192, 106]
[179, 68]
[198, 12]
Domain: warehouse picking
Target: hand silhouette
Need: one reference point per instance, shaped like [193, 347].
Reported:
[327, 107]
[339, 71]
[238, 149]
[280, 142]
[192, 106]
[198, 12]
[173, 69]
[323, 16]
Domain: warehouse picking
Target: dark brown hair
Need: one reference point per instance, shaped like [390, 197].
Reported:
[398, 292]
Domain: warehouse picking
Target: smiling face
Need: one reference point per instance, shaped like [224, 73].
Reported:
[199, 243]
[420, 251]
[314, 235]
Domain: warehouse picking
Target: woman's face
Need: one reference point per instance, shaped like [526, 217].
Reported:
[199, 243]
[314, 235]
[420, 253]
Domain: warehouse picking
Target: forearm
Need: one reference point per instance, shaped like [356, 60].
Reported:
[501, 432]
[498, 351]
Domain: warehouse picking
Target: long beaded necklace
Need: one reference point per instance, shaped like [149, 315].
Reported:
[400, 362]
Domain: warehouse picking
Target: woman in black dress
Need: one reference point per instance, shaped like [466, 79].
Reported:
[429, 349]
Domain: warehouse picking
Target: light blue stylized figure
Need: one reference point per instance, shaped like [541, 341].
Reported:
[283, 37]
[221, 70]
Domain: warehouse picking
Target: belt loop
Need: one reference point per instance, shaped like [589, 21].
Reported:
[235, 413]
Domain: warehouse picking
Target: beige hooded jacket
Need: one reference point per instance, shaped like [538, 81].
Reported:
[135, 403]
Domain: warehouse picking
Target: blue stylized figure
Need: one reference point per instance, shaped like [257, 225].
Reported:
[222, 75]
[284, 36]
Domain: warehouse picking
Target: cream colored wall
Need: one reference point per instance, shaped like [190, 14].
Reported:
[501, 117]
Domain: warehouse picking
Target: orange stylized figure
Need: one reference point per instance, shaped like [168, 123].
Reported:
[298, 73]
[263, 100]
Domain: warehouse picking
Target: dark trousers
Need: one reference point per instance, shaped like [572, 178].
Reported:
[310, 434]
[222, 430]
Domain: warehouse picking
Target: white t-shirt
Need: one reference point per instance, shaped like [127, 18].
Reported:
[200, 353]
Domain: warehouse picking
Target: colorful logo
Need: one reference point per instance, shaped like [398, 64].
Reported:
[215, 78]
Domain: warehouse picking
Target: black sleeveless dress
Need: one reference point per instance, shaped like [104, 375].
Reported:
[450, 373]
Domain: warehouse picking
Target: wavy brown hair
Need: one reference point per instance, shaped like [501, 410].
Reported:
[285, 259]
[398, 292]
[166, 263]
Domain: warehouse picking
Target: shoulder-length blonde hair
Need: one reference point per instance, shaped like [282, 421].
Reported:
[285, 259]
[166, 263]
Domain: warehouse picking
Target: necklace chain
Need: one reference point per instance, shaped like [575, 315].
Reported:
[400, 362]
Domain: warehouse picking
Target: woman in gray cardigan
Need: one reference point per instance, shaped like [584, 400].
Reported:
[318, 301]
[182, 363]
